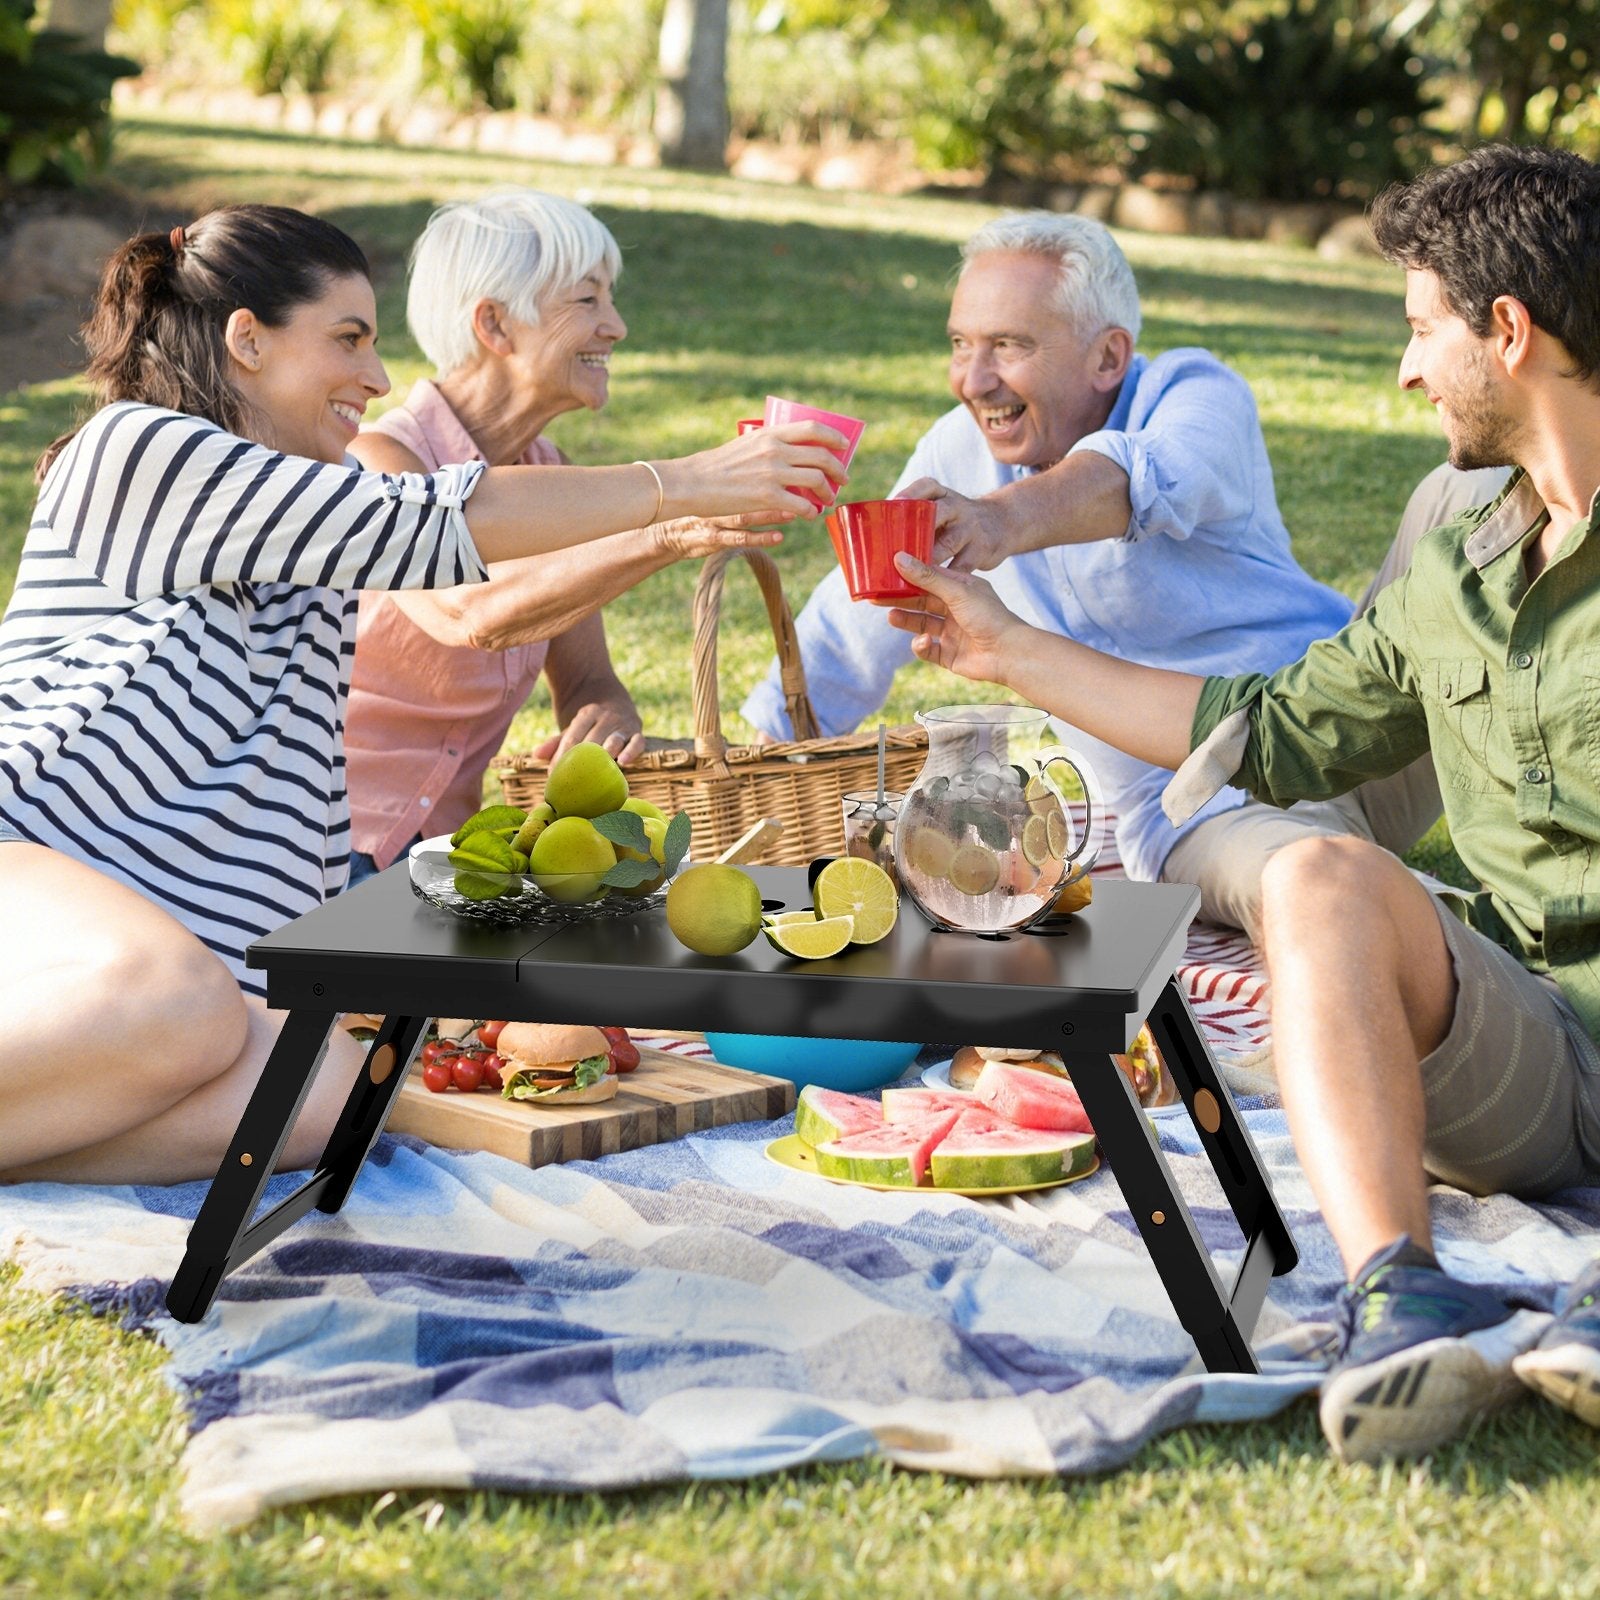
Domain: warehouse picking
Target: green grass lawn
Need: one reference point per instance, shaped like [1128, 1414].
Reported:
[733, 290]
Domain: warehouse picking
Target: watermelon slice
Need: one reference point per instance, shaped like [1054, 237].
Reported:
[906, 1105]
[983, 1152]
[821, 1115]
[1030, 1098]
[893, 1153]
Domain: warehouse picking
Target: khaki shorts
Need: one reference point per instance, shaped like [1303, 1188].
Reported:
[1512, 1095]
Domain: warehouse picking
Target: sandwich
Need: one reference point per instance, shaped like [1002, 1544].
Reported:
[555, 1063]
[1142, 1066]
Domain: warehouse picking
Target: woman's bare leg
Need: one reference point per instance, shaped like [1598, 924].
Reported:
[110, 1010]
[190, 1138]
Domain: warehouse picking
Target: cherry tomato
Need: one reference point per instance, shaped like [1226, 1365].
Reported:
[434, 1049]
[466, 1073]
[436, 1075]
[491, 1074]
[489, 1033]
[624, 1052]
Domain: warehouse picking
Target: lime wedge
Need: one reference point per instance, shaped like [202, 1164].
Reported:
[810, 939]
[851, 887]
[779, 919]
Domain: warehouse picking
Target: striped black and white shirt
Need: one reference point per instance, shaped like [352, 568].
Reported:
[174, 660]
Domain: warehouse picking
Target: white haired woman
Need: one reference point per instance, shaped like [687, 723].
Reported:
[511, 300]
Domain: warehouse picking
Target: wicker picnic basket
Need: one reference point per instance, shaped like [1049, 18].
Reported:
[725, 788]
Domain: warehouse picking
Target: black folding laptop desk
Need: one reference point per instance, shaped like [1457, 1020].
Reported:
[1083, 990]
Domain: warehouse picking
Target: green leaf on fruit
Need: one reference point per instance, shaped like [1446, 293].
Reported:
[676, 844]
[624, 828]
[630, 874]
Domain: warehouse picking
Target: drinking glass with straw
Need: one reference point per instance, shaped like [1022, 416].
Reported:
[869, 818]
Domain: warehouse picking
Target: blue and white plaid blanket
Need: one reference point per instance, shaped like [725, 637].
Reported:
[696, 1311]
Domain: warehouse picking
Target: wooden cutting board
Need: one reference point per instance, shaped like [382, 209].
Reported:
[664, 1097]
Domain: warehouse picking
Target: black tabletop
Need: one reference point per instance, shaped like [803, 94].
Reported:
[1088, 983]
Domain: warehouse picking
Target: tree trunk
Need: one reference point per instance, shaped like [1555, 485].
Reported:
[691, 121]
[89, 19]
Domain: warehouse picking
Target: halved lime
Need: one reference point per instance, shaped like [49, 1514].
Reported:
[851, 887]
[974, 870]
[928, 852]
[810, 939]
[1035, 840]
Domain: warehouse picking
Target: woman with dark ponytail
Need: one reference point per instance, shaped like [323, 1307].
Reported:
[174, 662]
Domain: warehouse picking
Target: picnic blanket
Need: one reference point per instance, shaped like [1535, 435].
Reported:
[694, 1310]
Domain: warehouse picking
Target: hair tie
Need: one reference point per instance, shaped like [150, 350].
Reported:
[175, 239]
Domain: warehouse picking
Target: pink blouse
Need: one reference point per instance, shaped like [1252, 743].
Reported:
[424, 719]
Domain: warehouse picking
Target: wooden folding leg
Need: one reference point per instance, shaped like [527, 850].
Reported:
[1223, 1136]
[372, 1097]
[222, 1234]
[1128, 1144]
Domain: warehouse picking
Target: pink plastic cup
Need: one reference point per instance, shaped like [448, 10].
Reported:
[868, 535]
[779, 411]
[748, 425]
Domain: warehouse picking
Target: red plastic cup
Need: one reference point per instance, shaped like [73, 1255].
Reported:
[869, 534]
[779, 411]
[748, 425]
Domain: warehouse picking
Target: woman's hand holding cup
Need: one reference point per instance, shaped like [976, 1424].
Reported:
[960, 625]
[760, 472]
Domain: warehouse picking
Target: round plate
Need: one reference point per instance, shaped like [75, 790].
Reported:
[938, 1077]
[793, 1152]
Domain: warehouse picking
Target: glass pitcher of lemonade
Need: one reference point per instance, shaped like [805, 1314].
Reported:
[998, 822]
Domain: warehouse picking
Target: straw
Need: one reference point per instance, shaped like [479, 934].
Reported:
[882, 809]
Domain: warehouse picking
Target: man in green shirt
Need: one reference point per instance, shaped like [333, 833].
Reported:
[1418, 1034]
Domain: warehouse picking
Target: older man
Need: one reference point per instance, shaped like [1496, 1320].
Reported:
[1455, 1035]
[1120, 500]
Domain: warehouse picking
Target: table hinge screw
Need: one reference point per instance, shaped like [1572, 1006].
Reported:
[1068, 1027]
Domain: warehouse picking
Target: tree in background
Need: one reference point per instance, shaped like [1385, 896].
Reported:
[1314, 99]
[55, 101]
[691, 118]
[1532, 61]
[86, 20]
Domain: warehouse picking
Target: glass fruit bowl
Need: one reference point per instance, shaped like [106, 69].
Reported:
[505, 899]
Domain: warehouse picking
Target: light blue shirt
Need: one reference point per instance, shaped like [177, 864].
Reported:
[1202, 581]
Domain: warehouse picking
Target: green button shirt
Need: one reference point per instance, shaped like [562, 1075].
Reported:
[1500, 678]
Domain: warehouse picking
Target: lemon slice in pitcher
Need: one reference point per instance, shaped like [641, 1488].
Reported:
[852, 887]
[809, 938]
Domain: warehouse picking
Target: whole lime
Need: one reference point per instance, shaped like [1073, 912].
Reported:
[569, 858]
[585, 782]
[714, 909]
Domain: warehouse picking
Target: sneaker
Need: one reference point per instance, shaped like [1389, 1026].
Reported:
[1565, 1364]
[1424, 1356]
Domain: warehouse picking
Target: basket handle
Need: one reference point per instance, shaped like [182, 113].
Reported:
[709, 744]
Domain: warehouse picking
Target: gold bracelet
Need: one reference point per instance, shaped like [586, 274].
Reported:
[661, 492]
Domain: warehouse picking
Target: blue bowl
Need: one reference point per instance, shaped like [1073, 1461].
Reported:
[848, 1065]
